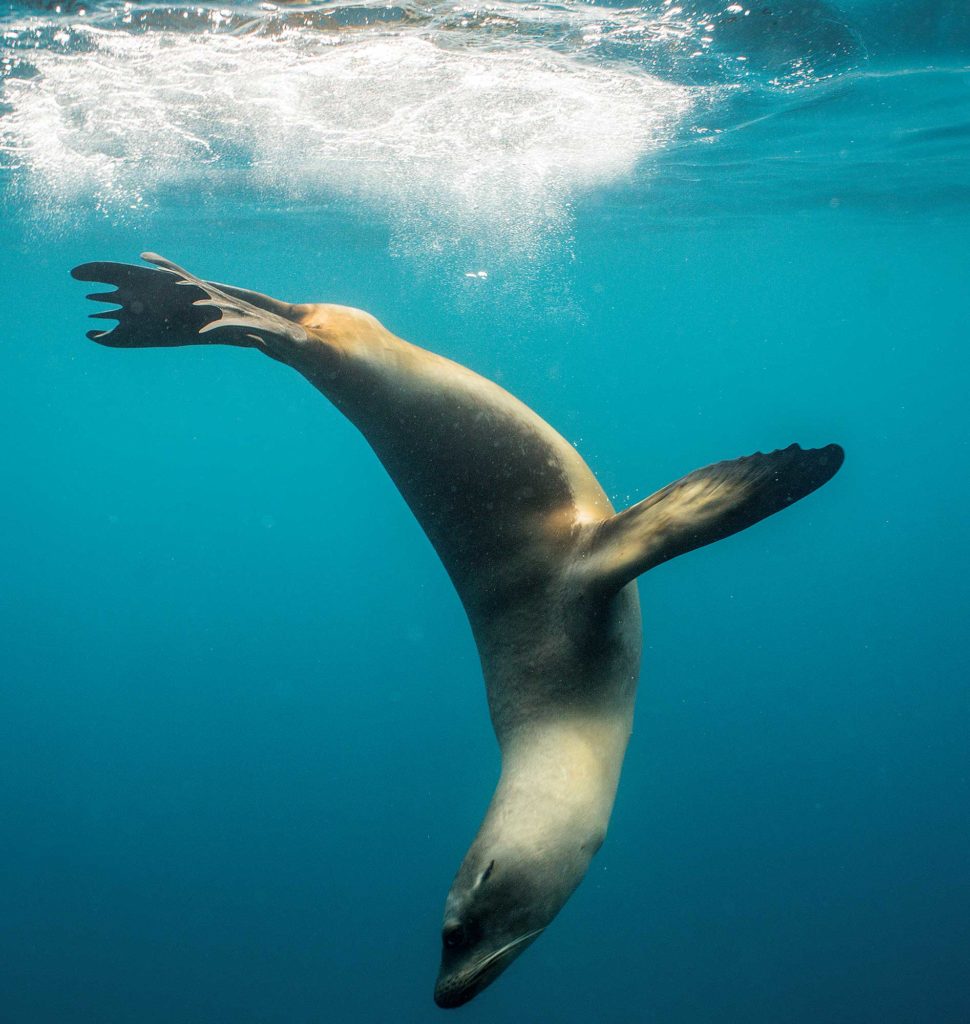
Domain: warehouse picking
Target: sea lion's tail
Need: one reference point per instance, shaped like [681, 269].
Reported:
[169, 306]
[705, 506]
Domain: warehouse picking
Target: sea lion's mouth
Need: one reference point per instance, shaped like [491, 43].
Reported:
[460, 988]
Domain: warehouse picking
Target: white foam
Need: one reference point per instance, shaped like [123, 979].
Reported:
[446, 141]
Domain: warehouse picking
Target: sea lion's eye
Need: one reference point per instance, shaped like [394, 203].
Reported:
[486, 873]
[453, 936]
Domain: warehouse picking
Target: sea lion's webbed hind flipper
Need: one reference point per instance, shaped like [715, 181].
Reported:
[169, 306]
[705, 506]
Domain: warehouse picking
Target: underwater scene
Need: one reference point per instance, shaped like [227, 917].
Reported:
[246, 748]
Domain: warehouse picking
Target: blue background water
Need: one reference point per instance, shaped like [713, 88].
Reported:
[243, 738]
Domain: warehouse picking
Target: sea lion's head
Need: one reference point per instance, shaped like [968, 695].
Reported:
[500, 902]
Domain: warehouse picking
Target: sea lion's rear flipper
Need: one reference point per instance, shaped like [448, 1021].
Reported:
[169, 306]
[705, 506]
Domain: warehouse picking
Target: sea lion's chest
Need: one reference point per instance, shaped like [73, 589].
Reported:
[559, 656]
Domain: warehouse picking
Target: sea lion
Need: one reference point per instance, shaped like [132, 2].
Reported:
[544, 566]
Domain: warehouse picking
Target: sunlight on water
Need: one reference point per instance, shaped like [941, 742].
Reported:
[477, 129]
[443, 141]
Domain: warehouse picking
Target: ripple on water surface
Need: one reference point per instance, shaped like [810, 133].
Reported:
[447, 120]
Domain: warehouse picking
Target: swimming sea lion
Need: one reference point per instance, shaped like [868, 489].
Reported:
[545, 569]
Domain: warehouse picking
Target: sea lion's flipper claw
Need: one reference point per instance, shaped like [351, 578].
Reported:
[167, 265]
[705, 506]
[225, 322]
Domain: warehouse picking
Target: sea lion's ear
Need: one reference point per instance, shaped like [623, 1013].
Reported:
[705, 506]
[486, 874]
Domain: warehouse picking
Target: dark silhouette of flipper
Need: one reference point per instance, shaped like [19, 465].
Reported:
[169, 307]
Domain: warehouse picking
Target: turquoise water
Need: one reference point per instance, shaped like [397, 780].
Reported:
[243, 737]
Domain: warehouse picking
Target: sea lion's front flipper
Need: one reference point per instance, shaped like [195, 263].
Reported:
[169, 307]
[705, 506]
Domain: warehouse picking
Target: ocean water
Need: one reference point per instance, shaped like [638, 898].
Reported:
[243, 736]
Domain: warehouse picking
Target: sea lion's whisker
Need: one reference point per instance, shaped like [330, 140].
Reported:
[500, 952]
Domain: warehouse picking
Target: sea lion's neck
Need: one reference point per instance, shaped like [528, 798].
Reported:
[559, 780]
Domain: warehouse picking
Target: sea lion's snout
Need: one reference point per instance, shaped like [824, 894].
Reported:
[466, 969]
[459, 978]
[449, 995]
[454, 988]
